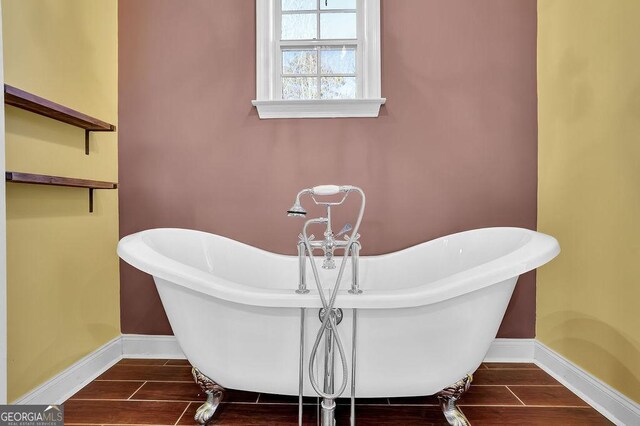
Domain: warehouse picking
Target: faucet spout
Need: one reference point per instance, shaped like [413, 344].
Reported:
[328, 262]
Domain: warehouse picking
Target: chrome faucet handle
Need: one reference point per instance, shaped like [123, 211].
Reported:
[356, 238]
[301, 237]
[346, 228]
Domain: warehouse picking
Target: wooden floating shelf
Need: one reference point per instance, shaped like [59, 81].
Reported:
[36, 179]
[33, 103]
[58, 181]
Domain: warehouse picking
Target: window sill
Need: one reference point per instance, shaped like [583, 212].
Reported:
[333, 108]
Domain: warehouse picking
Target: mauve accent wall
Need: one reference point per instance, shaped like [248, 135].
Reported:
[454, 148]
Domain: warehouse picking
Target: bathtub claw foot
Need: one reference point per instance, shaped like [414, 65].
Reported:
[214, 392]
[449, 396]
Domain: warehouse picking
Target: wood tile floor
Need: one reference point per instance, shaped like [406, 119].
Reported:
[162, 392]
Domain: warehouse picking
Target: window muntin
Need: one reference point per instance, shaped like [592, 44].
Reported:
[319, 49]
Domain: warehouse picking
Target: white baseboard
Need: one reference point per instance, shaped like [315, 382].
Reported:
[145, 346]
[511, 350]
[57, 389]
[609, 402]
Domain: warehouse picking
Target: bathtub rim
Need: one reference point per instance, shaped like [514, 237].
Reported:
[538, 250]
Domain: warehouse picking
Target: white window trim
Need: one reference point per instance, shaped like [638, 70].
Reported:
[269, 104]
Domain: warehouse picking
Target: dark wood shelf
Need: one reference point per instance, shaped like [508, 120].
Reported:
[30, 102]
[31, 178]
[33, 103]
[58, 181]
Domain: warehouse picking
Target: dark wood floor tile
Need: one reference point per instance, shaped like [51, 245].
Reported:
[141, 361]
[168, 391]
[187, 416]
[232, 395]
[254, 415]
[539, 416]
[512, 365]
[512, 377]
[271, 398]
[178, 362]
[414, 400]
[123, 412]
[143, 372]
[380, 415]
[476, 395]
[267, 398]
[488, 395]
[547, 395]
[107, 390]
[364, 401]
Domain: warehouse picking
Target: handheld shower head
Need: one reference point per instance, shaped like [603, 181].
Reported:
[297, 210]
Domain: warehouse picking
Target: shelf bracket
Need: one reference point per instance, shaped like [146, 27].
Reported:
[90, 200]
[86, 141]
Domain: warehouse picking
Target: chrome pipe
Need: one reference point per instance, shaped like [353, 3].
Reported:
[350, 242]
[353, 366]
[355, 280]
[328, 413]
[302, 263]
[320, 244]
[329, 360]
[314, 267]
[328, 404]
[301, 368]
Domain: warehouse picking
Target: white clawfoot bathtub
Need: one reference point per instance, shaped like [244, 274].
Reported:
[426, 318]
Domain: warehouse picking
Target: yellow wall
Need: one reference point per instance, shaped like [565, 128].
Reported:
[589, 185]
[63, 285]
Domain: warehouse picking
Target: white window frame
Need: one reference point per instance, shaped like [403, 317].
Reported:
[269, 102]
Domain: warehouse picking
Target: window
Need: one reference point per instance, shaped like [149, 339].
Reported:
[318, 58]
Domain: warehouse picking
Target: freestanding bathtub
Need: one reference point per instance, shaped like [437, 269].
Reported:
[426, 318]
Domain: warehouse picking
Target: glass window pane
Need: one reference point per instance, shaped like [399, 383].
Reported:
[299, 87]
[299, 4]
[338, 61]
[299, 26]
[338, 25]
[338, 87]
[337, 4]
[299, 62]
